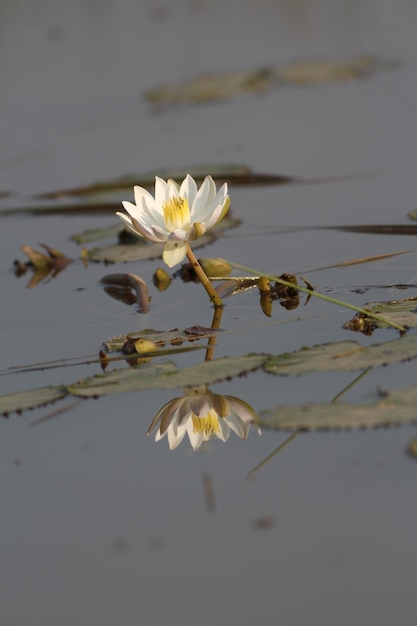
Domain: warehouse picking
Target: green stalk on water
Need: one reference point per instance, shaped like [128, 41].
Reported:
[321, 296]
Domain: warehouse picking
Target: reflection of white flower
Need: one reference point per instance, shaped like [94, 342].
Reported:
[202, 415]
[176, 214]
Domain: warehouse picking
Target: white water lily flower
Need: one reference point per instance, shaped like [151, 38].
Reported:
[202, 415]
[176, 214]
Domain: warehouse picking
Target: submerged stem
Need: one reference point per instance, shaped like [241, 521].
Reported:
[214, 296]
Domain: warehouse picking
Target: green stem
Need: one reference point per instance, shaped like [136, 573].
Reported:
[214, 296]
[321, 296]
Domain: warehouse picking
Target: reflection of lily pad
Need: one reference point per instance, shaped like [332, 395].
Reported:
[394, 408]
[342, 356]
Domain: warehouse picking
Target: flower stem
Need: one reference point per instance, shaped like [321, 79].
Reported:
[322, 296]
[214, 296]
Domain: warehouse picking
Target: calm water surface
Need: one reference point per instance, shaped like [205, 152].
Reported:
[100, 525]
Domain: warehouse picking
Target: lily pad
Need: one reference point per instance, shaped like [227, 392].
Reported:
[96, 234]
[342, 356]
[392, 409]
[17, 402]
[402, 312]
[210, 87]
[165, 376]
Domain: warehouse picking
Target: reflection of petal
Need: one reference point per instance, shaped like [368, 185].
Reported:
[202, 415]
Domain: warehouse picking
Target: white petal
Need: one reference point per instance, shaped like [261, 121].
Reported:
[218, 200]
[188, 189]
[200, 201]
[174, 253]
[224, 430]
[161, 192]
[196, 439]
[173, 188]
[152, 214]
[178, 235]
[175, 435]
[237, 425]
[141, 193]
[127, 222]
[132, 209]
[160, 233]
[212, 187]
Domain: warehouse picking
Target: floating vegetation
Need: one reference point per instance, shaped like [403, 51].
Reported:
[42, 265]
[211, 87]
[402, 312]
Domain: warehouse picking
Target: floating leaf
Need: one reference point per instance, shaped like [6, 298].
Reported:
[377, 229]
[165, 376]
[342, 356]
[210, 87]
[96, 234]
[403, 312]
[17, 402]
[161, 338]
[391, 409]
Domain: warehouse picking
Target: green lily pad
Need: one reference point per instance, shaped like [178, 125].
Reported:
[392, 409]
[165, 376]
[17, 402]
[96, 234]
[146, 376]
[342, 356]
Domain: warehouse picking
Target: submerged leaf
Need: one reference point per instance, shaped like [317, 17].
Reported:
[392, 409]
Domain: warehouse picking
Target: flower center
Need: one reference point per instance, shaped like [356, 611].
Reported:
[177, 214]
[207, 425]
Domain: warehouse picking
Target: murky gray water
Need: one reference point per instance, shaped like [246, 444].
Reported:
[100, 524]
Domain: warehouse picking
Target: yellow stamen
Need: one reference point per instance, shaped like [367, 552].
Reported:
[207, 425]
[177, 214]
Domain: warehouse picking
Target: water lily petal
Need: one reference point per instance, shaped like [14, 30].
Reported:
[238, 425]
[188, 189]
[174, 253]
[176, 435]
[141, 193]
[216, 209]
[173, 188]
[196, 439]
[224, 431]
[161, 192]
[200, 201]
